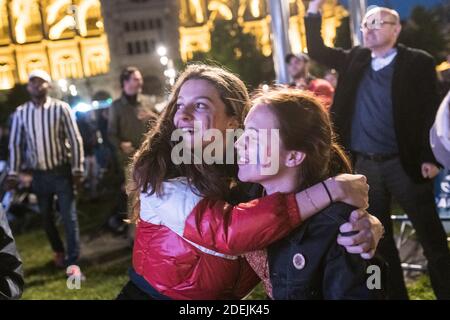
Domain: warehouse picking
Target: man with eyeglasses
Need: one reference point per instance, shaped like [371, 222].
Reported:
[384, 106]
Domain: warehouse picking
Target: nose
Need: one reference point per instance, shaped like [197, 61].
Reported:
[185, 113]
[240, 142]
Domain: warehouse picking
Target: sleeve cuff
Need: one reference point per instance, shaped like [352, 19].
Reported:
[313, 15]
[77, 172]
[293, 209]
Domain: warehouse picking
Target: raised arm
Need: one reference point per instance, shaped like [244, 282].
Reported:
[331, 57]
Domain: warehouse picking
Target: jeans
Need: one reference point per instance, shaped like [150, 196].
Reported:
[388, 180]
[47, 184]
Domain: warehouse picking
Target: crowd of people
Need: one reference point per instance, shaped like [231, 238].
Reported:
[347, 145]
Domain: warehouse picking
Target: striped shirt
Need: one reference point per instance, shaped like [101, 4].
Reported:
[43, 138]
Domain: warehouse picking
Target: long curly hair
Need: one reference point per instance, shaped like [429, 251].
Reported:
[152, 164]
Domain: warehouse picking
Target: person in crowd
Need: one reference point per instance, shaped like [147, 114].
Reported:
[331, 76]
[440, 133]
[444, 77]
[383, 110]
[129, 118]
[4, 140]
[308, 263]
[87, 124]
[167, 262]
[298, 68]
[11, 271]
[45, 140]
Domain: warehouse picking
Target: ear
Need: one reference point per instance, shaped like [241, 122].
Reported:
[398, 29]
[233, 123]
[294, 158]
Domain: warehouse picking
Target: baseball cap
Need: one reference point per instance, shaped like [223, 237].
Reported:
[40, 74]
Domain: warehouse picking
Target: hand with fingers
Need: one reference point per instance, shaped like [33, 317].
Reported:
[367, 232]
[78, 180]
[429, 170]
[315, 5]
[351, 189]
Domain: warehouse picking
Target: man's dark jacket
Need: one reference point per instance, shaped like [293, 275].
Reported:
[415, 96]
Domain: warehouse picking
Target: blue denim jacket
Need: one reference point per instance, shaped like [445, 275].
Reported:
[310, 264]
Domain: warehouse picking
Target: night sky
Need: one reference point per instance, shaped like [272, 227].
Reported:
[402, 6]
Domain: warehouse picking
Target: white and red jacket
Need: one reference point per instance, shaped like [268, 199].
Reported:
[188, 247]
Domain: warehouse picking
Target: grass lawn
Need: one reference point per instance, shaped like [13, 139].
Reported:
[105, 273]
[43, 281]
[105, 265]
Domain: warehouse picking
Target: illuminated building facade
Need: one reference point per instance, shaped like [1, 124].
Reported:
[64, 37]
[136, 28]
[197, 20]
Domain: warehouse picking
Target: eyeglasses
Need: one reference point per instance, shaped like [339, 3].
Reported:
[375, 24]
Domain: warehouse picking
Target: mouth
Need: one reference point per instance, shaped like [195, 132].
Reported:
[243, 160]
[190, 130]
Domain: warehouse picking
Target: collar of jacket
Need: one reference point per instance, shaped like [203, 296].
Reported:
[367, 56]
[125, 101]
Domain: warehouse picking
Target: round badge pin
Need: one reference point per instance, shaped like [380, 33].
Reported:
[299, 261]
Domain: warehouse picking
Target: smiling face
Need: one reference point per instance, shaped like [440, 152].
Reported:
[258, 144]
[199, 102]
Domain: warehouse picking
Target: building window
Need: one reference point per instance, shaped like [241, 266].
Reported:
[158, 23]
[150, 24]
[138, 47]
[126, 26]
[129, 48]
[135, 26]
[142, 25]
[152, 45]
[145, 43]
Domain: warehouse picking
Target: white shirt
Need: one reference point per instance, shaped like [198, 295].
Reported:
[379, 63]
[45, 137]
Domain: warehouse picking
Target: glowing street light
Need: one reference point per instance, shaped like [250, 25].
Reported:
[170, 73]
[73, 90]
[164, 60]
[161, 51]
[62, 83]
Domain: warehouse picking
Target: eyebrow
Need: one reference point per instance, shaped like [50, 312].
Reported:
[197, 98]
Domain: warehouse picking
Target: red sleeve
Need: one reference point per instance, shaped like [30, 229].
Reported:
[249, 226]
